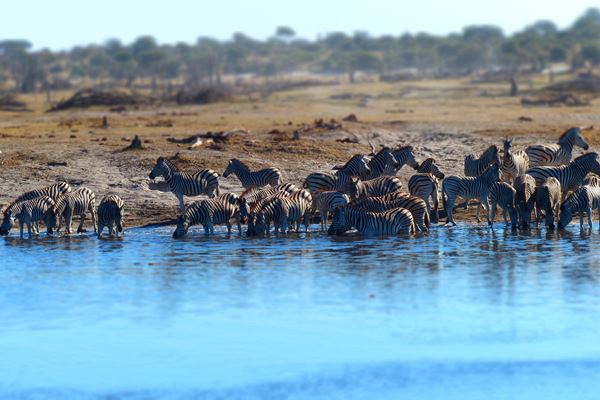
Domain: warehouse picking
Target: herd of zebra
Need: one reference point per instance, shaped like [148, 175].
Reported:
[362, 194]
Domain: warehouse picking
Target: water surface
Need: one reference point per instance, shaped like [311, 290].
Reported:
[463, 313]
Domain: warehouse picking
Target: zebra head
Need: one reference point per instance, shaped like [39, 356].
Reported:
[7, 223]
[592, 179]
[572, 137]
[507, 147]
[406, 155]
[566, 214]
[356, 189]
[160, 169]
[242, 204]
[429, 166]
[183, 224]
[338, 224]
[50, 220]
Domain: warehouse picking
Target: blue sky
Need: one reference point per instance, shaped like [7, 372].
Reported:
[61, 24]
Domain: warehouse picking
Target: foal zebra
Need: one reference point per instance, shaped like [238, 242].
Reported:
[557, 154]
[216, 211]
[326, 202]
[547, 198]
[525, 198]
[390, 222]
[205, 181]
[415, 205]
[514, 163]
[76, 203]
[424, 184]
[33, 211]
[377, 187]
[503, 194]
[52, 191]
[570, 176]
[585, 199]
[469, 188]
[476, 166]
[403, 155]
[252, 179]
[110, 214]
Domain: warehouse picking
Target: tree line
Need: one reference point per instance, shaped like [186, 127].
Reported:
[145, 62]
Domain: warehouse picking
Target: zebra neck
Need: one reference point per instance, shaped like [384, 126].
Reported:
[566, 148]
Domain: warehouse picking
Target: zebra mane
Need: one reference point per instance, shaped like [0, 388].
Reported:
[352, 160]
[568, 135]
[407, 147]
[585, 157]
[168, 163]
[425, 165]
[239, 164]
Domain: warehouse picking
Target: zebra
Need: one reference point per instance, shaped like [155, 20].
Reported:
[11, 213]
[209, 212]
[110, 214]
[376, 187]
[390, 222]
[53, 191]
[35, 210]
[326, 202]
[252, 179]
[514, 163]
[525, 198]
[468, 188]
[205, 181]
[76, 203]
[415, 205]
[404, 155]
[547, 198]
[256, 195]
[284, 212]
[557, 154]
[591, 179]
[342, 179]
[585, 199]
[425, 183]
[476, 166]
[382, 161]
[503, 194]
[570, 176]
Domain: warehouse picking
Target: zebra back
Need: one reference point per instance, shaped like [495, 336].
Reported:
[416, 206]
[111, 209]
[476, 166]
[255, 195]
[252, 179]
[379, 186]
[390, 222]
[53, 191]
[355, 167]
[382, 161]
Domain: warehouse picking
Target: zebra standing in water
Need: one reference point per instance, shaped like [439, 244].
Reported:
[76, 203]
[377, 187]
[470, 188]
[504, 194]
[403, 155]
[557, 154]
[216, 211]
[425, 183]
[327, 202]
[252, 179]
[547, 198]
[33, 211]
[342, 180]
[514, 163]
[110, 214]
[570, 176]
[256, 195]
[284, 212]
[205, 181]
[382, 161]
[390, 222]
[525, 198]
[584, 199]
[52, 191]
[415, 205]
[476, 166]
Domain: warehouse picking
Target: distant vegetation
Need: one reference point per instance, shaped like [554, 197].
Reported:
[478, 50]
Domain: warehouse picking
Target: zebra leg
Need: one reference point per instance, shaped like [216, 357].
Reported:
[68, 221]
[589, 213]
[323, 213]
[581, 217]
[449, 210]
[229, 228]
[81, 221]
[21, 223]
[505, 215]
[181, 202]
[493, 212]
[94, 218]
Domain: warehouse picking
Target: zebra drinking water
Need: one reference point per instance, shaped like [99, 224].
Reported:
[205, 181]
[33, 211]
[525, 198]
[326, 202]
[415, 205]
[216, 211]
[76, 203]
[404, 155]
[110, 215]
[547, 198]
[503, 194]
[425, 183]
[583, 200]
[390, 222]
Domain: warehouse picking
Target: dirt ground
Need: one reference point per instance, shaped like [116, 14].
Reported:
[441, 119]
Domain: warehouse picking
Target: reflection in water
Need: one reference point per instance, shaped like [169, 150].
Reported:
[443, 315]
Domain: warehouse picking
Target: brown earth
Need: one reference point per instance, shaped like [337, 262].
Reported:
[442, 119]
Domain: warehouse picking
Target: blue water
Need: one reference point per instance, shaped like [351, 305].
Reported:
[462, 313]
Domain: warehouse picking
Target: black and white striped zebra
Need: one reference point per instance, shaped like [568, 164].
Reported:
[73, 204]
[425, 184]
[469, 187]
[501, 193]
[557, 154]
[547, 199]
[514, 163]
[583, 200]
[326, 202]
[203, 182]
[377, 187]
[382, 161]
[404, 155]
[415, 205]
[53, 191]
[223, 209]
[252, 179]
[33, 211]
[255, 195]
[390, 222]
[525, 198]
[591, 179]
[341, 181]
[475, 166]
[284, 212]
[110, 215]
[570, 176]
